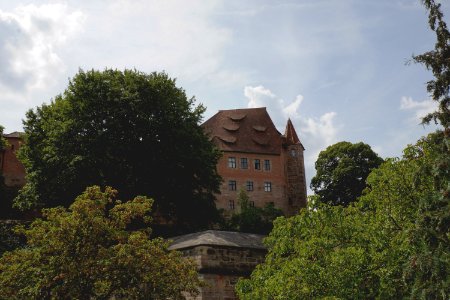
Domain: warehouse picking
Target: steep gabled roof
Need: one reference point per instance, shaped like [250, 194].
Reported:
[244, 130]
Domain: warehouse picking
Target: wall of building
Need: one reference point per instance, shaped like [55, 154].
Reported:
[12, 169]
[260, 197]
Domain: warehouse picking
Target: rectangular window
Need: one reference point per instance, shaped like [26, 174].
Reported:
[231, 204]
[267, 165]
[232, 185]
[244, 163]
[232, 162]
[257, 164]
[249, 186]
[267, 186]
[252, 203]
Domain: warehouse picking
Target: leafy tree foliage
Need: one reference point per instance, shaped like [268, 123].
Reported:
[354, 252]
[89, 252]
[3, 141]
[429, 263]
[134, 131]
[342, 170]
[9, 240]
[252, 219]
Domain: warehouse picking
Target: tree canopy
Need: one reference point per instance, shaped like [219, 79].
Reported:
[3, 141]
[357, 252]
[252, 219]
[429, 263]
[134, 131]
[341, 172]
[89, 251]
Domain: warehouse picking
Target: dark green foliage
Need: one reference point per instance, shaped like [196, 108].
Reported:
[9, 240]
[252, 219]
[89, 252]
[7, 195]
[354, 252]
[341, 172]
[3, 141]
[428, 267]
[134, 131]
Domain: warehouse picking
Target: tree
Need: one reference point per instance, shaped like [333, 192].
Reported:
[3, 141]
[90, 252]
[428, 268]
[134, 131]
[354, 252]
[341, 172]
[252, 219]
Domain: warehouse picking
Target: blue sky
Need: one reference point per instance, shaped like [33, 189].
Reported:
[336, 68]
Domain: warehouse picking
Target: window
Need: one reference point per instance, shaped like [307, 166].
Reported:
[232, 162]
[232, 185]
[249, 186]
[267, 165]
[267, 186]
[231, 204]
[244, 163]
[252, 203]
[257, 164]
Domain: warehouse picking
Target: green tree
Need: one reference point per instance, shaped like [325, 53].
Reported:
[90, 252]
[3, 141]
[354, 252]
[252, 219]
[428, 268]
[134, 131]
[341, 172]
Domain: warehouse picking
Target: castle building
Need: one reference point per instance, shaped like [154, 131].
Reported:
[10, 167]
[257, 158]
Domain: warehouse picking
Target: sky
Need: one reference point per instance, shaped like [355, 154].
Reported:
[339, 69]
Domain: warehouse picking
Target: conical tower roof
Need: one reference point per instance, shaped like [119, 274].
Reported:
[290, 134]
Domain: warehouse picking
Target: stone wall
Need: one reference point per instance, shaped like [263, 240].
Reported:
[221, 267]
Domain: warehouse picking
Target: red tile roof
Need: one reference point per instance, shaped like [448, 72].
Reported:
[244, 130]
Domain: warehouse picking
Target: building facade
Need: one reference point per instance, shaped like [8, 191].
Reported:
[10, 167]
[257, 158]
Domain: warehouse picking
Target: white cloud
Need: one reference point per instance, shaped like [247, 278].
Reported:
[420, 108]
[178, 36]
[316, 133]
[29, 39]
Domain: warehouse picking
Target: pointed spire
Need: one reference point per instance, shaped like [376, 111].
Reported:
[290, 134]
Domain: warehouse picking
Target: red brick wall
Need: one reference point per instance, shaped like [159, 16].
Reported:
[260, 197]
[11, 168]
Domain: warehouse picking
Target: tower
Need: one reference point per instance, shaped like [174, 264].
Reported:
[295, 170]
